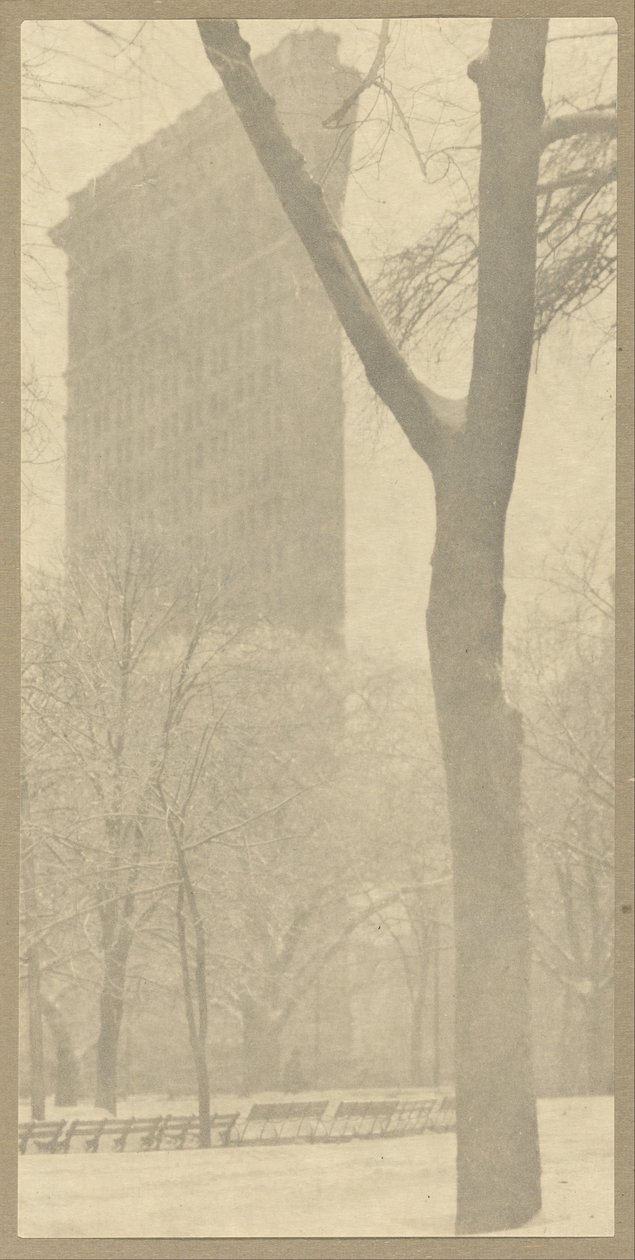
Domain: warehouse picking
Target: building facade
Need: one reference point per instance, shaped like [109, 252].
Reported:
[204, 377]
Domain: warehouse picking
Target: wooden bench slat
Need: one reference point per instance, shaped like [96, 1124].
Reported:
[44, 1134]
[224, 1124]
[364, 1119]
[273, 1121]
[177, 1131]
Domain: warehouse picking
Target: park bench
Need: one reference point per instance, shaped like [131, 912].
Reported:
[224, 1127]
[44, 1135]
[443, 1118]
[112, 1135]
[411, 1117]
[179, 1132]
[357, 1119]
[94, 1135]
[266, 1124]
[142, 1134]
[418, 1115]
[174, 1132]
[273, 1123]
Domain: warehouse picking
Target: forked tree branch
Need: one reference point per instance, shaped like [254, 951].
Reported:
[423, 415]
[369, 79]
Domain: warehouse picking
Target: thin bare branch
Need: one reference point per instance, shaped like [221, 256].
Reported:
[369, 80]
[594, 122]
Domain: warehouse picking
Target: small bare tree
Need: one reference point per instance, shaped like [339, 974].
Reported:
[98, 690]
[565, 676]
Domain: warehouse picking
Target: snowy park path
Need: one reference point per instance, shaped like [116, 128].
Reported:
[400, 1187]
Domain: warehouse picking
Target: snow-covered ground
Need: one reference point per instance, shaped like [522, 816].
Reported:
[391, 1188]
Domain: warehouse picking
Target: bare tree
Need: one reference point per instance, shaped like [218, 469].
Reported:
[565, 677]
[406, 816]
[431, 285]
[29, 925]
[279, 860]
[95, 694]
[471, 450]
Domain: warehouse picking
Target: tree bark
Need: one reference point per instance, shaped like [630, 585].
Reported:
[436, 1026]
[416, 1036]
[595, 1049]
[196, 1015]
[110, 1019]
[498, 1163]
[498, 1172]
[596, 1072]
[262, 1067]
[67, 1067]
[565, 1040]
[37, 1066]
[472, 455]
[36, 1037]
[418, 987]
[117, 936]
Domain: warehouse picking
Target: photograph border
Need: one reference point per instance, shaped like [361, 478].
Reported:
[12, 14]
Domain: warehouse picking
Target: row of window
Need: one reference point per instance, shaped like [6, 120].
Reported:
[186, 491]
[244, 533]
[233, 460]
[245, 410]
[135, 285]
[195, 436]
[216, 380]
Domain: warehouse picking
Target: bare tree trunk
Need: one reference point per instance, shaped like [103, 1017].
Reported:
[498, 1173]
[596, 1073]
[565, 1037]
[196, 1016]
[67, 1067]
[317, 1032]
[594, 1028]
[37, 1067]
[262, 1067]
[36, 1037]
[110, 1019]
[498, 1162]
[436, 1026]
[117, 937]
[416, 1035]
[417, 974]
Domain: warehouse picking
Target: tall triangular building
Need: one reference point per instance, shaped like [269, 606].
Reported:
[204, 370]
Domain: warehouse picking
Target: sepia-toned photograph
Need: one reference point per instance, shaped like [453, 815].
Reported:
[317, 790]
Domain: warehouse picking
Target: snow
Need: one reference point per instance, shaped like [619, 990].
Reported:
[390, 1188]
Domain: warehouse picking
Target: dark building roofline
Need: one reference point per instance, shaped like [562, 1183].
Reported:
[167, 140]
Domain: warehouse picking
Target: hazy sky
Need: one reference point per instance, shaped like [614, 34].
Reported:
[122, 96]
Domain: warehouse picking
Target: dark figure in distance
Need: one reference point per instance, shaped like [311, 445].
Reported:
[294, 1082]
